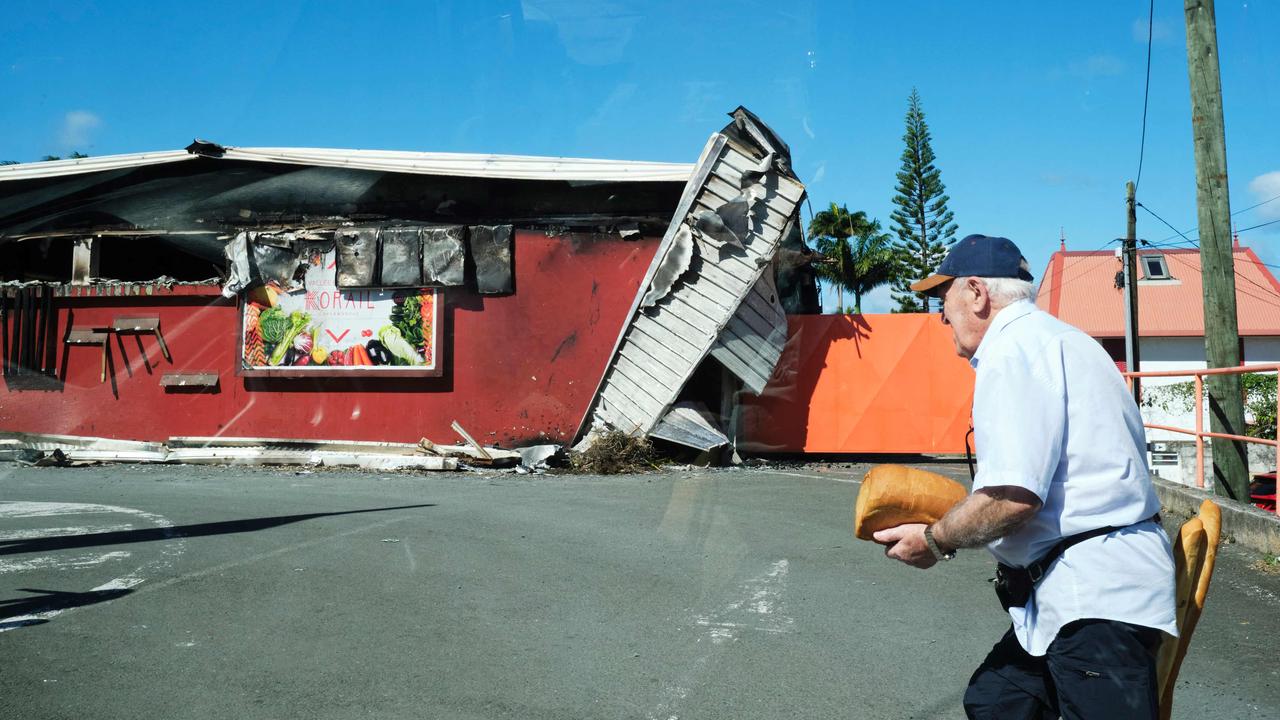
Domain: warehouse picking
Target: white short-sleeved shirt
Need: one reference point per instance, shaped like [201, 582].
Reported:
[1052, 415]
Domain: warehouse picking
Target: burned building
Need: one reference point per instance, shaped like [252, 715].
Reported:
[368, 295]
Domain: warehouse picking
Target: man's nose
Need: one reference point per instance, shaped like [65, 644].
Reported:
[945, 321]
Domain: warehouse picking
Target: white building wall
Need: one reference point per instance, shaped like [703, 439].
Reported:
[1163, 354]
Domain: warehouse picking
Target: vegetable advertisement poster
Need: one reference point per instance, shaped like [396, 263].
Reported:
[327, 330]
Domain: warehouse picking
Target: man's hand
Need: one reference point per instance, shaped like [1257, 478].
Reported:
[907, 543]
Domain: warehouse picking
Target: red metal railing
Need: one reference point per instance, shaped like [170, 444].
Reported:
[1200, 433]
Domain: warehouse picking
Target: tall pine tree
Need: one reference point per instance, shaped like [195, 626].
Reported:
[921, 220]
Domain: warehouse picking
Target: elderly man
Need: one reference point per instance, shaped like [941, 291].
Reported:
[1061, 497]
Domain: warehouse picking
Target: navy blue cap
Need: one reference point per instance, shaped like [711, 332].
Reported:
[978, 256]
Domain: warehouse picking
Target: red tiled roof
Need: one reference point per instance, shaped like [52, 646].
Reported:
[1079, 287]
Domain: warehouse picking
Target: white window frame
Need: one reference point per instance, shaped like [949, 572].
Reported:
[1146, 270]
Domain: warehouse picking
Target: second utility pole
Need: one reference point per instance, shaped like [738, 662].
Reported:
[1221, 331]
[1130, 259]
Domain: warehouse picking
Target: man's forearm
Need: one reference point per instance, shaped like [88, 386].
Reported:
[985, 516]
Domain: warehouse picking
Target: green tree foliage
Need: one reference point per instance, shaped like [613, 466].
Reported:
[858, 254]
[1259, 401]
[75, 155]
[921, 221]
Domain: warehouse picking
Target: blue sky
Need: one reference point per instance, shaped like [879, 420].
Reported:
[1035, 108]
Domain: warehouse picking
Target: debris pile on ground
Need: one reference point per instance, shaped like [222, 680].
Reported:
[538, 458]
[471, 454]
[34, 449]
[615, 452]
[40, 449]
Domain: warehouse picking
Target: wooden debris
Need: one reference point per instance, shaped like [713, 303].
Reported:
[472, 454]
[470, 440]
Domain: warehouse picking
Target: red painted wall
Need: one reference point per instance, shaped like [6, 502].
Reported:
[863, 384]
[516, 368]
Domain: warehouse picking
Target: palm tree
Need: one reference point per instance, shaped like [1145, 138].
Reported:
[859, 256]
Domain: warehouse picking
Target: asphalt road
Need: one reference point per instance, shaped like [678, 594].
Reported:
[139, 592]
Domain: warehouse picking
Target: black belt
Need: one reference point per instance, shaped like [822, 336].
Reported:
[1014, 585]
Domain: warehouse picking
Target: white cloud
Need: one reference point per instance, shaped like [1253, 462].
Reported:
[704, 101]
[1264, 188]
[1097, 66]
[77, 129]
[1160, 31]
[593, 34]
[879, 300]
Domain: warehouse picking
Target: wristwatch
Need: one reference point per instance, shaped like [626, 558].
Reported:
[935, 548]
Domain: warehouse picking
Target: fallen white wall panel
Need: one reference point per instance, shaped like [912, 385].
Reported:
[752, 343]
[689, 424]
[737, 207]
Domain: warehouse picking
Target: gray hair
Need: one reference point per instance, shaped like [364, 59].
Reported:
[1006, 291]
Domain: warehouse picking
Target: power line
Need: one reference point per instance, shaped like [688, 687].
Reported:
[1193, 245]
[1251, 207]
[1170, 245]
[1259, 262]
[1196, 245]
[1255, 227]
[1146, 94]
[1241, 276]
[1195, 242]
[1166, 222]
[1072, 263]
[1264, 202]
[1272, 300]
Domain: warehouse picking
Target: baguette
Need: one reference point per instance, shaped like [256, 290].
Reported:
[894, 495]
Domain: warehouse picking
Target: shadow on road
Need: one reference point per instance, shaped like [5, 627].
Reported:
[123, 537]
[50, 600]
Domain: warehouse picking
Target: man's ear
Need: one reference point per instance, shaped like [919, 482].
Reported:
[981, 296]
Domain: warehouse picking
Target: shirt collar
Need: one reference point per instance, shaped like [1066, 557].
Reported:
[1003, 318]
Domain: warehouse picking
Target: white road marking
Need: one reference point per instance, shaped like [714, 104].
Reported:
[263, 556]
[760, 607]
[168, 550]
[56, 562]
[832, 478]
[129, 582]
[15, 509]
[9, 535]
[19, 509]
[120, 583]
[18, 621]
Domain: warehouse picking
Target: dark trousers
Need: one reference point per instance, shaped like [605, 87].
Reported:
[1094, 669]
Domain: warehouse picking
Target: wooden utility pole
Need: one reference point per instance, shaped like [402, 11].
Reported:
[1130, 259]
[1221, 332]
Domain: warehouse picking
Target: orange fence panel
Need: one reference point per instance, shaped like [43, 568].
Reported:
[862, 384]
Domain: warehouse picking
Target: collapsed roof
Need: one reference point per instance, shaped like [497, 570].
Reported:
[710, 291]
[207, 190]
[731, 260]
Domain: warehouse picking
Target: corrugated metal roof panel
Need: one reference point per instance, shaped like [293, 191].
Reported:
[1080, 288]
[752, 343]
[700, 306]
[77, 166]
[515, 167]
[688, 424]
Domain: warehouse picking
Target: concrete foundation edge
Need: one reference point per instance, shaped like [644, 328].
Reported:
[1246, 525]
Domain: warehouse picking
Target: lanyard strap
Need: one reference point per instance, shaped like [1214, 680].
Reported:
[968, 453]
[1036, 570]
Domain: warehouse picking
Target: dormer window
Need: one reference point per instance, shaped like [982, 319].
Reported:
[1154, 267]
